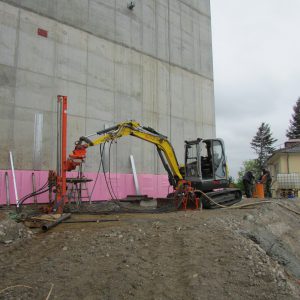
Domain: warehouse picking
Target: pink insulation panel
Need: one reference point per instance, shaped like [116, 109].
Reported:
[122, 184]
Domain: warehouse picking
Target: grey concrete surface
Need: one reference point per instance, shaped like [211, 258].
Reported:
[152, 64]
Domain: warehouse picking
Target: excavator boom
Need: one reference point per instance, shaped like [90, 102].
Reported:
[163, 146]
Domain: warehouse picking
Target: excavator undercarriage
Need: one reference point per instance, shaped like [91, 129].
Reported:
[221, 198]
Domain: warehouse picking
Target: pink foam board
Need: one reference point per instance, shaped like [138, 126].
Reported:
[120, 185]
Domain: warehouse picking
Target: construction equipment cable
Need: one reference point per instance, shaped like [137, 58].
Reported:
[104, 173]
[248, 204]
[209, 198]
[99, 168]
[112, 195]
[101, 164]
[231, 207]
[35, 193]
[109, 170]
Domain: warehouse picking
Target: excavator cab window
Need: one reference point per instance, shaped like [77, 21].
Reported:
[219, 160]
[213, 161]
[206, 160]
[192, 166]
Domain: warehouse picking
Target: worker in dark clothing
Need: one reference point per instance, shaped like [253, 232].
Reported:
[248, 182]
[267, 181]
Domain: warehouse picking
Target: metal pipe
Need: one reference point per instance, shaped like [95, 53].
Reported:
[108, 129]
[49, 225]
[7, 189]
[92, 134]
[33, 187]
[14, 177]
[59, 124]
[64, 105]
[61, 151]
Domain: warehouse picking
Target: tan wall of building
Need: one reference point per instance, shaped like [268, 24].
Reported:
[283, 163]
[289, 163]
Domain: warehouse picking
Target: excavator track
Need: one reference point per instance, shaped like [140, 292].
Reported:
[224, 197]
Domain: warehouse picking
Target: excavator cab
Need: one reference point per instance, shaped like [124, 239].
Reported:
[205, 164]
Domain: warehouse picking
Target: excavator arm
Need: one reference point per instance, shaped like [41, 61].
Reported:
[163, 146]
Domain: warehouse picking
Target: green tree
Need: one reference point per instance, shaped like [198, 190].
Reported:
[294, 129]
[262, 144]
[248, 165]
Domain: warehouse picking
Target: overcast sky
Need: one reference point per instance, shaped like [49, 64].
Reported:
[256, 52]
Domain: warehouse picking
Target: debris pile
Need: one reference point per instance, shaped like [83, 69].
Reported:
[272, 228]
[11, 231]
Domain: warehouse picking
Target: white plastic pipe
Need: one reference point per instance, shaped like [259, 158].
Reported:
[136, 183]
[14, 177]
[38, 141]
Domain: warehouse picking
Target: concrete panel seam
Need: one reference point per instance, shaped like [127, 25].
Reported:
[195, 9]
[181, 45]
[57, 77]
[86, 86]
[50, 111]
[114, 86]
[169, 45]
[16, 64]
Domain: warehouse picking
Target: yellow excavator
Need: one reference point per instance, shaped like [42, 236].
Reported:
[202, 179]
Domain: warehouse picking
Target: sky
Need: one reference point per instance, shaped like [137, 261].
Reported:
[256, 54]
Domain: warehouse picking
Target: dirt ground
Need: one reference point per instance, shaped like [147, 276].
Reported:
[211, 254]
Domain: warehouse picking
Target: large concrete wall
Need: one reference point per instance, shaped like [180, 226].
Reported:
[152, 64]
